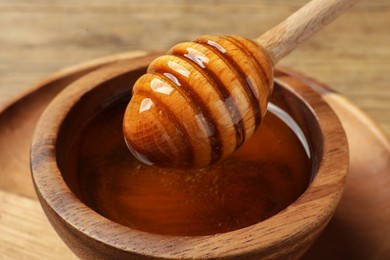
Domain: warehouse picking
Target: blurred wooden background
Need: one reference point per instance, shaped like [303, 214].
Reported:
[39, 37]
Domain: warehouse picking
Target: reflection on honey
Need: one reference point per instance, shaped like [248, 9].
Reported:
[262, 178]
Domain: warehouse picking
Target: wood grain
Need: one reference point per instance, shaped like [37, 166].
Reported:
[34, 102]
[204, 88]
[21, 220]
[42, 36]
[90, 235]
[202, 101]
[50, 35]
[372, 240]
[299, 26]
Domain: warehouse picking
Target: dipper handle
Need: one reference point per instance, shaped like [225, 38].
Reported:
[205, 98]
[309, 19]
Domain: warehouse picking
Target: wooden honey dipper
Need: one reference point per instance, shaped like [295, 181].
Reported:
[205, 98]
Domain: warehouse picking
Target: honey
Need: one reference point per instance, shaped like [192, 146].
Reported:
[263, 177]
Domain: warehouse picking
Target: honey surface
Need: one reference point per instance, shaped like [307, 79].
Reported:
[262, 178]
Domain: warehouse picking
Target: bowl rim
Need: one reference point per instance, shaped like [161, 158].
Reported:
[266, 236]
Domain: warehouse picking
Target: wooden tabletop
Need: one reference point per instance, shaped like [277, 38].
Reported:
[39, 37]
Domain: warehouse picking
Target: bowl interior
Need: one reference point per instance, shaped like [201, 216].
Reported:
[73, 109]
[261, 179]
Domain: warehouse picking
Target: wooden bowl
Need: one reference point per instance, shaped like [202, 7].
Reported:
[92, 236]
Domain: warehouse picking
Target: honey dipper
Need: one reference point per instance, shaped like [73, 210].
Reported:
[205, 98]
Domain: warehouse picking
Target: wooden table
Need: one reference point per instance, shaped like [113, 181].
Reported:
[38, 37]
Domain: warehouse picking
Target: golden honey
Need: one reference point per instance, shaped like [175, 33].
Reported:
[263, 177]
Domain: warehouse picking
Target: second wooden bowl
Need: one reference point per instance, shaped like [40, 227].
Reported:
[289, 233]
